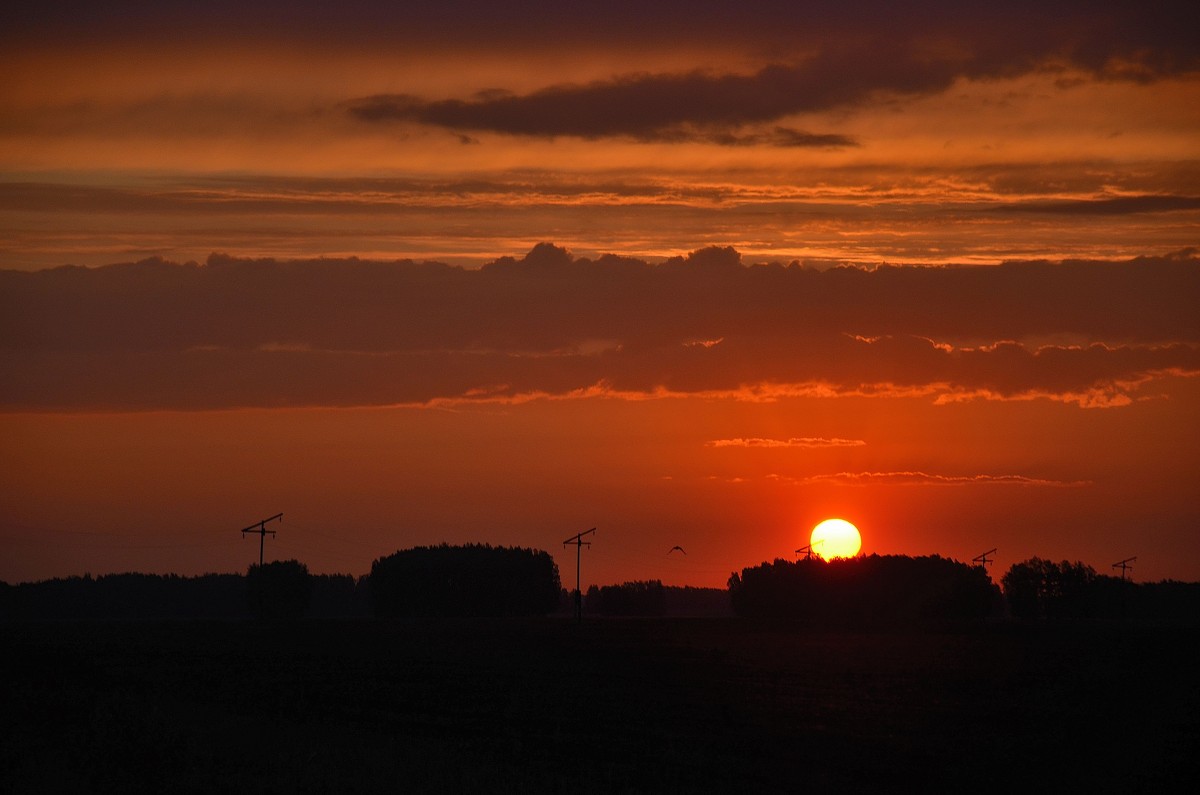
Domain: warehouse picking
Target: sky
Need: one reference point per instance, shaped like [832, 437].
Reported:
[697, 274]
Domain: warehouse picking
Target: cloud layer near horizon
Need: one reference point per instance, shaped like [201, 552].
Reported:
[235, 333]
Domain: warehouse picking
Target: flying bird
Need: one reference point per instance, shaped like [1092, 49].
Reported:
[672, 549]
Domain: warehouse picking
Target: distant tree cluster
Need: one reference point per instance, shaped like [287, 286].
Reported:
[166, 597]
[638, 598]
[470, 580]
[864, 592]
[1043, 589]
[480, 580]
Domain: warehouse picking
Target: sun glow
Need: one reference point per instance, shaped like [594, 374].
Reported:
[835, 538]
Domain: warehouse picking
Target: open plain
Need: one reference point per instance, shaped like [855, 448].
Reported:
[609, 705]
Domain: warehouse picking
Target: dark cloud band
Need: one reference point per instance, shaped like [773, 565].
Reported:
[351, 332]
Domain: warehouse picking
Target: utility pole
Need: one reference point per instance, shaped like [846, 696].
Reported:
[1123, 565]
[579, 543]
[808, 550]
[983, 560]
[260, 527]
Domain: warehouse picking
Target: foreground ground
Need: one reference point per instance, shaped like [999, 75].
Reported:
[649, 705]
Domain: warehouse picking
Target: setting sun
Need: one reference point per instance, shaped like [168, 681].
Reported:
[835, 538]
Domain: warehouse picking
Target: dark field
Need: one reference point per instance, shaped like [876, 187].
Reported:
[646, 705]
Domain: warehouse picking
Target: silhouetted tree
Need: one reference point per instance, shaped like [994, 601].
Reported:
[281, 589]
[1038, 588]
[471, 580]
[872, 591]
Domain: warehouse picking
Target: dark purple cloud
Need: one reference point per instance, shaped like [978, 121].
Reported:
[349, 332]
[671, 107]
[879, 55]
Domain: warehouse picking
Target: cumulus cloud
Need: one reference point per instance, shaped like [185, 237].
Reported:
[236, 332]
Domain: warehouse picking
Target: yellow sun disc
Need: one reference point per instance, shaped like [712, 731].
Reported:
[835, 538]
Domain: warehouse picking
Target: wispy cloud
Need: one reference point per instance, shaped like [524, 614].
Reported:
[802, 441]
[927, 479]
[1120, 205]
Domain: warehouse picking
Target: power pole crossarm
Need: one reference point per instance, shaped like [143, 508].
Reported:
[260, 527]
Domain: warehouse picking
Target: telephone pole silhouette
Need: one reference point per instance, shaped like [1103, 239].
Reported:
[1123, 565]
[983, 560]
[260, 527]
[808, 550]
[579, 543]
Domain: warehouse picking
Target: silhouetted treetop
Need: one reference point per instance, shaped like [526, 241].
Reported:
[470, 580]
[871, 591]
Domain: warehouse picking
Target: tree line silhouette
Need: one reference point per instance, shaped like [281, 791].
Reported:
[1043, 589]
[481, 580]
[280, 589]
[865, 592]
[637, 598]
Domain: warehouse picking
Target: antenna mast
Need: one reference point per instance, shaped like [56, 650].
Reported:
[1123, 565]
[984, 560]
[260, 527]
[579, 543]
[808, 550]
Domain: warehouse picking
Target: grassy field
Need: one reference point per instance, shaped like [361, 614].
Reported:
[612, 705]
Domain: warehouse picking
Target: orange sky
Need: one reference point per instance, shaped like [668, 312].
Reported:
[931, 270]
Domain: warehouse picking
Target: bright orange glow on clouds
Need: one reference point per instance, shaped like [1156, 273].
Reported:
[491, 272]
